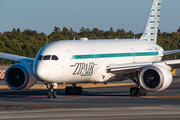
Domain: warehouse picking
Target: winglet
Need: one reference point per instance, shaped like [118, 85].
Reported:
[152, 25]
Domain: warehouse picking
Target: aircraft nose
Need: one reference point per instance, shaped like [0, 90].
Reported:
[41, 71]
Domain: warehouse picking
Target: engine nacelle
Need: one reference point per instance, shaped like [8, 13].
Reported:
[20, 77]
[155, 78]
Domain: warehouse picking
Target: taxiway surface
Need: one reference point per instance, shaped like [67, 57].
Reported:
[95, 103]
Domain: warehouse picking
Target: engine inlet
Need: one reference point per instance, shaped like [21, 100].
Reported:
[151, 78]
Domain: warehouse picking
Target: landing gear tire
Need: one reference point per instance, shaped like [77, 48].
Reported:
[142, 92]
[49, 94]
[68, 91]
[133, 91]
[54, 94]
[78, 91]
[73, 90]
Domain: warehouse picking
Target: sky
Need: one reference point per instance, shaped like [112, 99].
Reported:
[43, 15]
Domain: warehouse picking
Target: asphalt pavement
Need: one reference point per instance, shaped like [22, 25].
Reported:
[95, 103]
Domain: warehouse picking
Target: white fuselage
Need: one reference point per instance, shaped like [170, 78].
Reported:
[86, 61]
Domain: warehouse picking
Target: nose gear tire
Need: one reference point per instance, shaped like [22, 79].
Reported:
[49, 94]
[54, 94]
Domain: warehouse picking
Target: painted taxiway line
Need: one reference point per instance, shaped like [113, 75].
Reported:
[87, 85]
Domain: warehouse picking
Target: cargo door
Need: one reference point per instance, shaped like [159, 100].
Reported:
[95, 60]
[133, 56]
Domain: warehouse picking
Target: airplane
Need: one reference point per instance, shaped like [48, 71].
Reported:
[97, 61]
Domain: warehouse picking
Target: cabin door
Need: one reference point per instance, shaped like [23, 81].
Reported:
[71, 57]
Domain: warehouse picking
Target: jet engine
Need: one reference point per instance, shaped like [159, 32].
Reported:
[20, 77]
[155, 78]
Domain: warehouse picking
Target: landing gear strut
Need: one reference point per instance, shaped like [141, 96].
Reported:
[73, 90]
[51, 91]
[134, 91]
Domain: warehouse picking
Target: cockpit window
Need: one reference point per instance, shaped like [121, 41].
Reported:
[39, 57]
[54, 57]
[47, 57]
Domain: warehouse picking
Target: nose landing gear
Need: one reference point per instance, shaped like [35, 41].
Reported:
[51, 91]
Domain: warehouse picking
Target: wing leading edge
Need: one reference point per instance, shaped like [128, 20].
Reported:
[16, 58]
[119, 67]
[128, 68]
[170, 52]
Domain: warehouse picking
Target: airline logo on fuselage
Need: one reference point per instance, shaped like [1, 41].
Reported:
[84, 69]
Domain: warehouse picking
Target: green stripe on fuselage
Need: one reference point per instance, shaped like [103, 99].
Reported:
[86, 75]
[112, 55]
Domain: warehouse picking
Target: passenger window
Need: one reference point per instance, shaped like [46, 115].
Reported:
[39, 57]
[47, 57]
[54, 57]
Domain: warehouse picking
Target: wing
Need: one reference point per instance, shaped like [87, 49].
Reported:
[174, 64]
[171, 52]
[126, 68]
[129, 68]
[16, 58]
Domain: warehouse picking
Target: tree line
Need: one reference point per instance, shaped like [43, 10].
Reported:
[29, 42]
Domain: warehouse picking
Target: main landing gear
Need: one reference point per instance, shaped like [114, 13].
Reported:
[51, 91]
[134, 91]
[73, 90]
